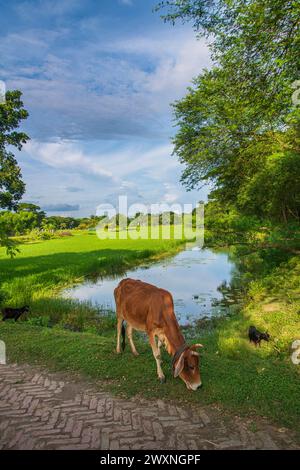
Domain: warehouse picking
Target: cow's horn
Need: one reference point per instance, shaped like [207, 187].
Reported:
[198, 345]
[194, 353]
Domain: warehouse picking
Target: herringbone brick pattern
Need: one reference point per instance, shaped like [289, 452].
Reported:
[39, 410]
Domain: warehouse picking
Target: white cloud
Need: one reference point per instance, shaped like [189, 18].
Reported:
[177, 60]
[45, 8]
[172, 193]
[66, 155]
[121, 164]
[103, 89]
[126, 2]
[102, 172]
[98, 97]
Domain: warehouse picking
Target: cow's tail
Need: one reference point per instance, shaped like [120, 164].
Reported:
[123, 336]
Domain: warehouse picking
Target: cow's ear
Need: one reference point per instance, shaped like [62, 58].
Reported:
[178, 366]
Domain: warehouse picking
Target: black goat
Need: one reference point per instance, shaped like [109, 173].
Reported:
[14, 313]
[256, 336]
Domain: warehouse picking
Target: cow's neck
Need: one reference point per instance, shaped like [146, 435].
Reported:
[175, 340]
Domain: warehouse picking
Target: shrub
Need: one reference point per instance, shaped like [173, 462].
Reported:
[65, 234]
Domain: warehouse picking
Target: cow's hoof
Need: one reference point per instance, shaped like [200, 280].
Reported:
[162, 380]
[136, 354]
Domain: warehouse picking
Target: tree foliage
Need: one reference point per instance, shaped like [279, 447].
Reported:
[12, 187]
[11, 114]
[238, 126]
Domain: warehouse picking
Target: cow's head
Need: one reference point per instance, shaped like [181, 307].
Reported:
[186, 366]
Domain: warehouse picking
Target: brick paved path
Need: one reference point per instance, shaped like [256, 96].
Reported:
[39, 410]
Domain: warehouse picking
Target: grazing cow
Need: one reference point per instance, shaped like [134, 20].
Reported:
[14, 313]
[147, 308]
[256, 336]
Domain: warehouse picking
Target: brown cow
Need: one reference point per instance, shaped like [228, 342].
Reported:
[148, 308]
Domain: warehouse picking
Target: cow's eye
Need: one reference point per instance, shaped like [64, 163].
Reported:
[191, 367]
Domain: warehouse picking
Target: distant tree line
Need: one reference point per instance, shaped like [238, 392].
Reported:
[27, 217]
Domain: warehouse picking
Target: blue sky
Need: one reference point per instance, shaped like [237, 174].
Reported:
[98, 77]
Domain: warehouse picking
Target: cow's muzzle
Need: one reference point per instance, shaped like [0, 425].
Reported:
[194, 387]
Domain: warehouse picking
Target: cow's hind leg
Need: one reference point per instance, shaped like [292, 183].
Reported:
[157, 357]
[129, 334]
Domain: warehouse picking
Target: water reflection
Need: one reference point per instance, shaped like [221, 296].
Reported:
[199, 280]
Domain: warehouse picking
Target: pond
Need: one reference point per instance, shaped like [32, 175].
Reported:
[199, 280]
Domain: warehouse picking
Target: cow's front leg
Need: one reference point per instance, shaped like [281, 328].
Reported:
[119, 329]
[157, 357]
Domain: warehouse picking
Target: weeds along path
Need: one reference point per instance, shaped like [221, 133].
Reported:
[39, 410]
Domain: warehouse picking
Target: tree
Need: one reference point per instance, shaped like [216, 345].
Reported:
[32, 208]
[258, 38]
[62, 223]
[11, 114]
[239, 115]
[11, 185]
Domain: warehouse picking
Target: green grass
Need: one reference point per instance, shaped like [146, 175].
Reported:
[43, 269]
[252, 382]
[236, 375]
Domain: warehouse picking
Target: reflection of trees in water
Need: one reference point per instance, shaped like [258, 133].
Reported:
[113, 272]
[232, 291]
[245, 267]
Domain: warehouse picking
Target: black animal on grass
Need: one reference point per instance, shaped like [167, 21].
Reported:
[256, 336]
[14, 313]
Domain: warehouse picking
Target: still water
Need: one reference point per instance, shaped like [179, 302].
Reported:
[197, 278]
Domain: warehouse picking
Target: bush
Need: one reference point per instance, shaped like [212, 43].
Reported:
[65, 234]
[39, 321]
[37, 234]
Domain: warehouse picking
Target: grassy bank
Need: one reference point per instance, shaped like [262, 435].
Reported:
[42, 269]
[249, 382]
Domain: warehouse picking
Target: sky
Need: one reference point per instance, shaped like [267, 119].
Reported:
[98, 77]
